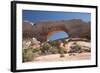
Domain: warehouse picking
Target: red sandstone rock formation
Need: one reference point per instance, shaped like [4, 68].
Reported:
[41, 30]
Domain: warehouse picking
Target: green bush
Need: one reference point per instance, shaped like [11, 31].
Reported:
[75, 48]
[53, 43]
[51, 49]
[27, 55]
[46, 48]
[36, 51]
[30, 53]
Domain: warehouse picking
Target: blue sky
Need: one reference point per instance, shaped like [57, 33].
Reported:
[36, 16]
[55, 36]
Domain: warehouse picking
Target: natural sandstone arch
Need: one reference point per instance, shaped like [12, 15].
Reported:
[74, 27]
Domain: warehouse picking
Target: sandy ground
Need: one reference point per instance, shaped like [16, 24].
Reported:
[56, 57]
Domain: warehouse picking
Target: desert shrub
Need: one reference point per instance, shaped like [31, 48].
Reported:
[87, 50]
[27, 55]
[49, 49]
[36, 51]
[75, 48]
[30, 54]
[62, 51]
[53, 50]
[53, 43]
[46, 48]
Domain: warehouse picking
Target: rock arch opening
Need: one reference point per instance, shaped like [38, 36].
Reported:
[56, 35]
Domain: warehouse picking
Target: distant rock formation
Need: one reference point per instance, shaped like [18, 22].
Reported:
[41, 30]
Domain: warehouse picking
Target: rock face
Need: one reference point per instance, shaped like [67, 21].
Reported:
[41, 30]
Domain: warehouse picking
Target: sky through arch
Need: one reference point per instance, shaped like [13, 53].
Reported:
[58, 35]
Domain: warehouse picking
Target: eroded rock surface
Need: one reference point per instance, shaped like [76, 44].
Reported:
[41, 30]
